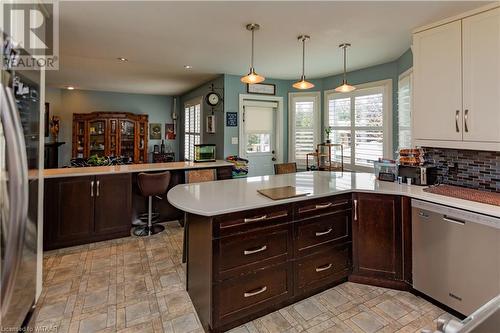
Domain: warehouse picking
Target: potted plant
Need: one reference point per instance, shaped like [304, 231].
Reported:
[328, 130]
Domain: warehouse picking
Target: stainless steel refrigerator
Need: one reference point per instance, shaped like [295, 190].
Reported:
[19, 186]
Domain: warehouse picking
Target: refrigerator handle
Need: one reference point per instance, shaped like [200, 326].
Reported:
[18, 192]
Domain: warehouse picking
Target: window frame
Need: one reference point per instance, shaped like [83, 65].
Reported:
[192, 102]
[361, 89]
[292, 97]
[407, 73]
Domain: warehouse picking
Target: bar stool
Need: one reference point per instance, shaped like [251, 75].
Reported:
[151, 184]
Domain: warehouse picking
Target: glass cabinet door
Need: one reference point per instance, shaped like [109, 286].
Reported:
[142, 141]
[97, 137]
[127, 139]
[80, 139]
[113, 137]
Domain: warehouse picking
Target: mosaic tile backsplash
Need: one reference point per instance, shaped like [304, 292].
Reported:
[467, 168]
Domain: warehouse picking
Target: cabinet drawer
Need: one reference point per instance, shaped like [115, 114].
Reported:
[252, 219]
[253, 250]
[253, 292]
[322, 268]
[323, 230]
[322, 206]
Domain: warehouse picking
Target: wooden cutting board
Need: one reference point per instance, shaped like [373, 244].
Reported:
[280, 193]
[490, 198]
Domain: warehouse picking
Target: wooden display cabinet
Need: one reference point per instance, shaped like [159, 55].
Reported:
[330, 157]
[110, 134]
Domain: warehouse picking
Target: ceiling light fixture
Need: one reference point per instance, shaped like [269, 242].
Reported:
[122, 59]
[70, 88]
[188, 66]
[302, 83]
[252, 77]
[345, 87]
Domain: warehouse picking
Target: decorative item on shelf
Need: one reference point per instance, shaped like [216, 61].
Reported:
[211, 124]
[156, 149]
[204, 153]
[302, 83]
[240, 166]
[328, 130]
[330, 157]
[95, 160]
[261, 88]
[310, 166]
[232, 119]
[169, 132]
[345, 87]
[54, 128]
[163, 157]
[174, 117]
[155, 131]
[252, 76]
[162, 147]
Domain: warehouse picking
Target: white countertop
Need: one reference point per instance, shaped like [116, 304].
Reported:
[232, 195]
[131, 168]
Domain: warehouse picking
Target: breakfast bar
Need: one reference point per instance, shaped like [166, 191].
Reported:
[249, 255]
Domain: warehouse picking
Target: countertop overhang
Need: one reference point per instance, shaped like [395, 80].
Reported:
[233, 195]
[132, 168]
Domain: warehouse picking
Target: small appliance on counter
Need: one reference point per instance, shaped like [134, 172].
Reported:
[385, 169]
[419, 175]
[204, 153]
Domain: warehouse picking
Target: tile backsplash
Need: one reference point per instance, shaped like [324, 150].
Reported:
[467, 168]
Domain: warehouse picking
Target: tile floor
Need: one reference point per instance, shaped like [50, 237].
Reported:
[137, 285]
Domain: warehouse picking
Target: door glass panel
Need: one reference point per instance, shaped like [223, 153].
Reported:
[369, 147]
[97, 138]
[369, 110]
[258, 142]
[342, 137]
[127, 130]
[339, 110]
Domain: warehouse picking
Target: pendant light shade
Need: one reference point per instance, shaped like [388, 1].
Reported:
[252, 76]
[302, 83]
[345, 87]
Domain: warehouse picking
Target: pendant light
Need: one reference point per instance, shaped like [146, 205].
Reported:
[345, 87]
[302, 83]
[252, 77]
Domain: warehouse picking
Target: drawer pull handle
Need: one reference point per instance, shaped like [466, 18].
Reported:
[254, 219]
[323, 268]
[255, 292]
[252, 251]
[324, 232]
[321, 206]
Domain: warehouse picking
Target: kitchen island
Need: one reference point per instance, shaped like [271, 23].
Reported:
[89, 204]
[249, 255]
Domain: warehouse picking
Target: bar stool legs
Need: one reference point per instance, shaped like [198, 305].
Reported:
[150, 228]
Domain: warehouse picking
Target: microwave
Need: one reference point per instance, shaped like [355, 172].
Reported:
[420, 175]
[204, 153]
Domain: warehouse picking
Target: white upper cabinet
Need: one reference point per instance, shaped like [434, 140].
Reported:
[481, 77]
[457, 83]
[438, 83]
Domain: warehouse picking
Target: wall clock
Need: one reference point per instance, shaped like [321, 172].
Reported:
[213, 98]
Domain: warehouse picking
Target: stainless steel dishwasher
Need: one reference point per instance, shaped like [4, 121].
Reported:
[456, 255]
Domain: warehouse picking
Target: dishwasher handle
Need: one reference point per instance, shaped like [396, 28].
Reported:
[453, 220]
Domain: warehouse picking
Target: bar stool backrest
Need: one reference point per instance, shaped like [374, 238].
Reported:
[283, 168]
[153, 183]
[200, 176]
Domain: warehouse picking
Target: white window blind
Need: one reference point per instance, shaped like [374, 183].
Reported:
[192, 128]
[404, 109]
[359, 121]
[304, 126]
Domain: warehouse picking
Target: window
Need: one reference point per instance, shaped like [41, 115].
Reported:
[192, 127]
[361, 122]
[304, 126]
[404, 109]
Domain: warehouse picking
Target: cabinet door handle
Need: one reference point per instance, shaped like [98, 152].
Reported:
[321, 206]
[466, 116]
[252, 251]
[321, 233]
[323, 268]
[355, 210]
[92, 188]
[457, 114]
[97, 193]
[255, 292]
[254, 219]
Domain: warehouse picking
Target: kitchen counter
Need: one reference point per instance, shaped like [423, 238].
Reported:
[131, 168]
[233, 195]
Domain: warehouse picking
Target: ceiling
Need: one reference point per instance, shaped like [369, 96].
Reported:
[158, 38]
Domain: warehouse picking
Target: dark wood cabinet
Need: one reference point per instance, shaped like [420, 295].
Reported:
[378, 233]
[80, 210]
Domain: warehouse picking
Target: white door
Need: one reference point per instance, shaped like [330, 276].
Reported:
[438, 83]
[258, 137]
[481, 70]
